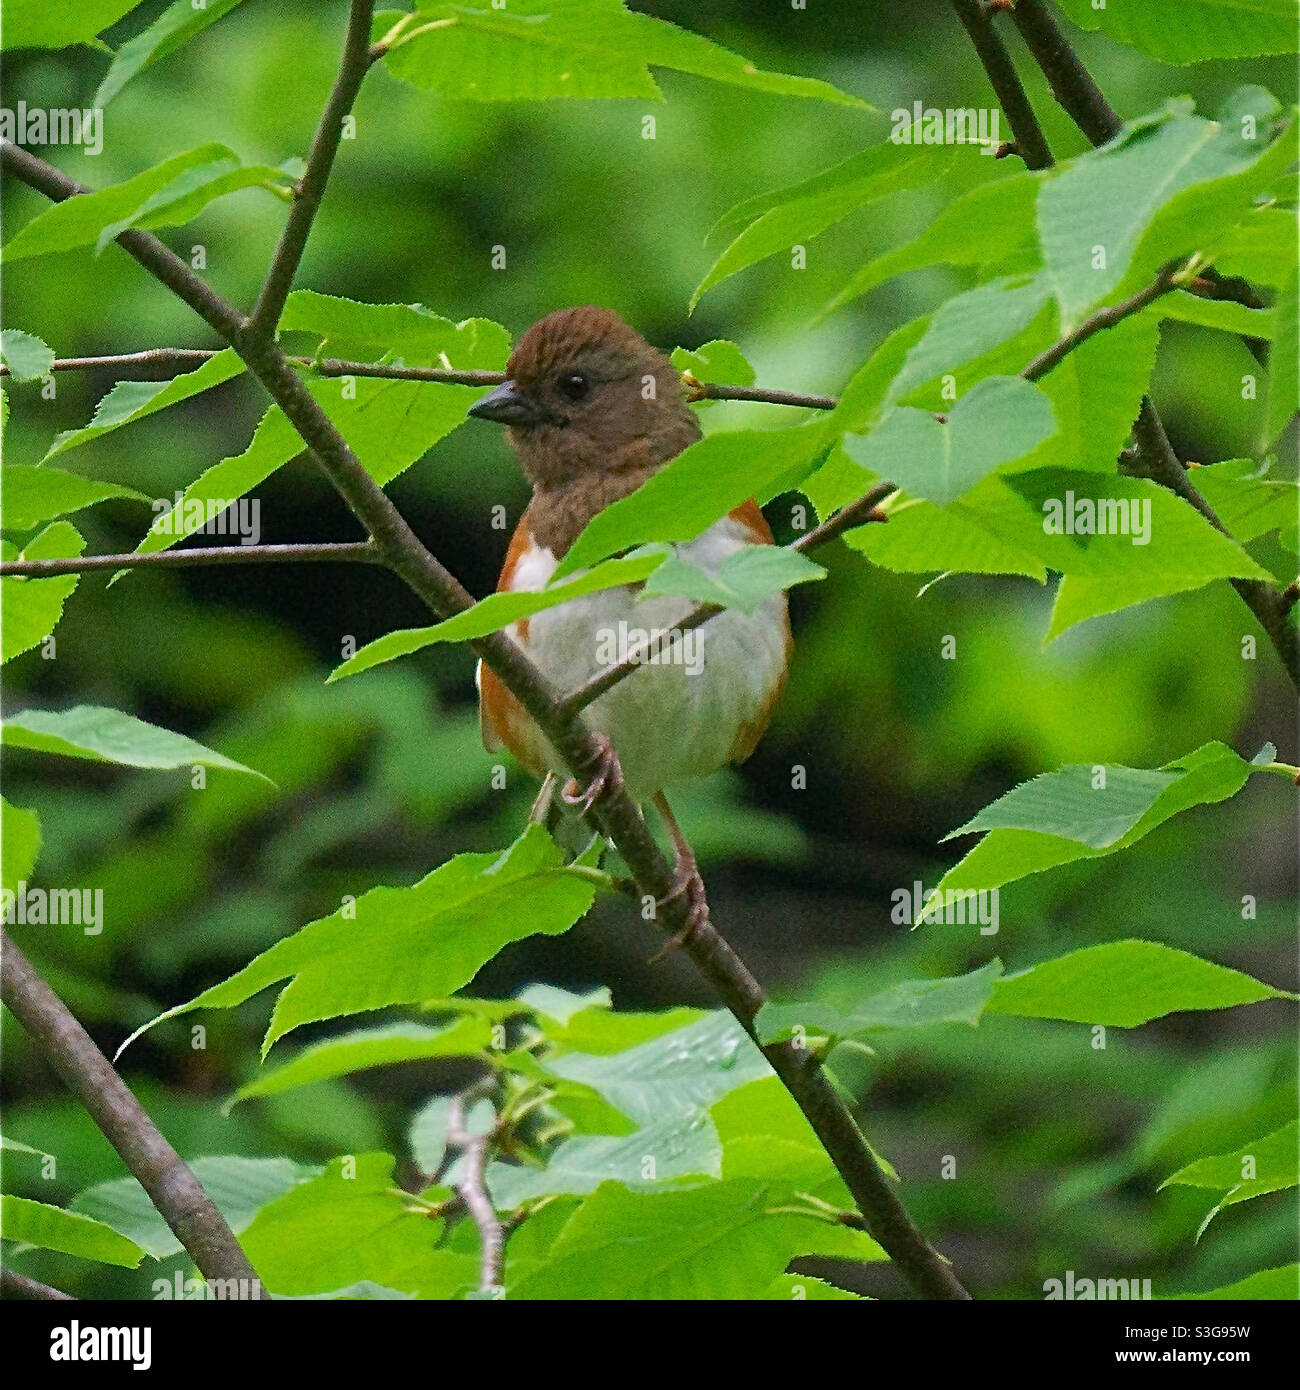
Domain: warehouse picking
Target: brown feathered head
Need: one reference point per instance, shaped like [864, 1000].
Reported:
[586, 393]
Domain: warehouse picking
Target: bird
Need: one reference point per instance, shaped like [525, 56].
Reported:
[592, 410]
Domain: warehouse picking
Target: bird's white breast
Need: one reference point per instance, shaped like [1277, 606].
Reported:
[680, 715]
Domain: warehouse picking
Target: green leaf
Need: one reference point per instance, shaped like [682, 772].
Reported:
[970, 327]
[500, 610]
[795, 215]
[671, 1150]
[167, 195]
[717, 360]
[53, 1228]
[177, 25]
[1249, 504]
[31, 608]
[1268, 1164]
[1189, 31]
[1261, 247]
[401, 945]
[59, 23]
[20, 834]
[1224, 314]
[370, 1047]
[912, 1004]
[1282, 1284]
[1122, 984]
[803, 1288]
[1084, 812]
[1117, 540]
[1284, 364]
[129, 401]
[26, 356]
[1096, 392]
[353, 1225]
[998, 421]
[700, 486]
[239, 1186]
[977, 229]
[109, 736]
[584, 48]
[676, 1073]
[1167, 185]
[34, 495]
[713, 1242]
[747, 579]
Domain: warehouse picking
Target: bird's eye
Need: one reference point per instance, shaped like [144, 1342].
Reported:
[574, 386]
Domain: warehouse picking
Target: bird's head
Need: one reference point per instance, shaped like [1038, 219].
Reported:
[587, 394]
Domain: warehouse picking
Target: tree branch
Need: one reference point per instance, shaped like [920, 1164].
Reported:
[310, 189]
[472, 1190]
[614, 813]
[172, 1188]
[362, 552]
[1070, 82]
[20, 1286]
[1029, 142]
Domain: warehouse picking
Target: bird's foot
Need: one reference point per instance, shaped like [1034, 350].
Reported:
[687, 884]
[607, 777]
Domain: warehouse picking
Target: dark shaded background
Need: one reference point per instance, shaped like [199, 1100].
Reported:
[1060, 1147]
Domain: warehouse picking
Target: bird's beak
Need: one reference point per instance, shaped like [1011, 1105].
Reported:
[508, 405]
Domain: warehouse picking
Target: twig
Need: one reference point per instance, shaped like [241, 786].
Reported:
[1029, 142]
[1070, 82]
[1271, 607]
[162, 362]
[472, 1190]
[614, 813]
[1167, 280]
[11, 1282]
[310, 189]
[172, 1187]
[173, 361]
[363, 552]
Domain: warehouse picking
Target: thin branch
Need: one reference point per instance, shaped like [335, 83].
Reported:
[310, 189]
[172, 1187]
[1167, 280]
[20, 1286]
[1157, 460]
[362, 552]
[1070, 82]
[715, 391]
[614, 813]
[173, 361]
[153, 362]
[472, 1190]
[1029, 142]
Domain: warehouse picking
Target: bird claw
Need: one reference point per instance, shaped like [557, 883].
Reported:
[687, 883]
[607, 777]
